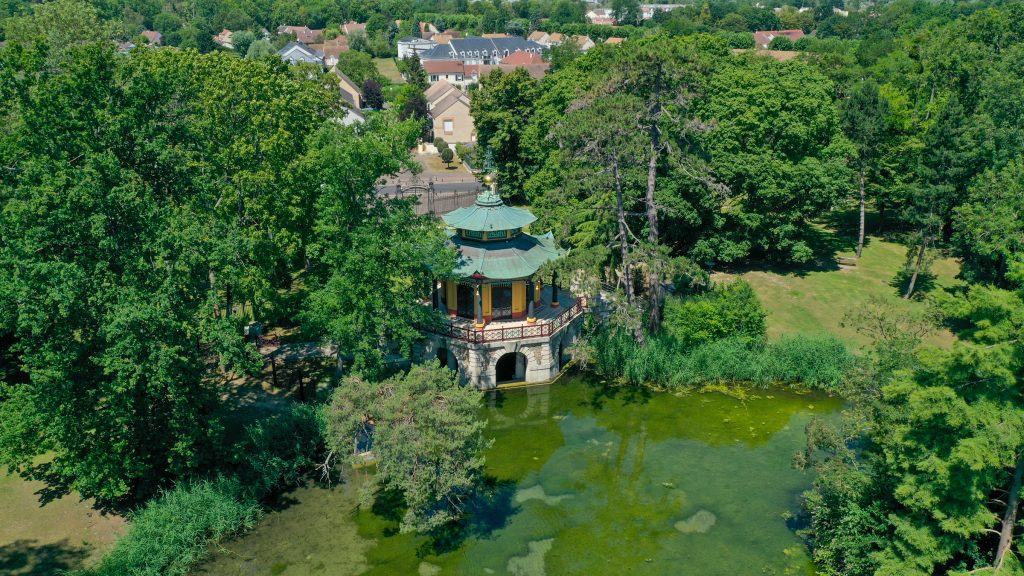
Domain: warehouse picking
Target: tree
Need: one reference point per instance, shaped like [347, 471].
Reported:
[358, 66]
[412, 105]
[988, 229]
[733, 22]
[372, 261]
[427, 437]
[865, 117]
[61, 24]
[242, 41]
[447, 156]
[627, 12]
[501, 107]
[260, 49]
[777, 143]
[561, 55]
[780, 43]
[359, 41]
[372, 94]
[414, 73]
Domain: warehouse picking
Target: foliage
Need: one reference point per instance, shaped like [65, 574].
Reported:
[427, 439]
[989, 226]
[372, 258]
[501, 108]
[729, 310]
[171, 534]
[359, 67]
[818, 362]
[373, 96]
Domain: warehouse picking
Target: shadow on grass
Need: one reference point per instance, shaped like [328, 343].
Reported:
[825, 246]
[24, 557]
[926, 282]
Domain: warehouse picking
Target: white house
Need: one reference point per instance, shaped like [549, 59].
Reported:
[412, 46]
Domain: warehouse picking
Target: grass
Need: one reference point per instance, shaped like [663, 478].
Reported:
[64, 534]
[433, 163]
[389, 70]
[815, 300]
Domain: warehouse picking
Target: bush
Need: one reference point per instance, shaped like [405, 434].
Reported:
[172, 533]
[732, 310]
[174, 530]
[818, 362]
[440, 144]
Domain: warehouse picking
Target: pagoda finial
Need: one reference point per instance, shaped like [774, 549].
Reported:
[489, 196]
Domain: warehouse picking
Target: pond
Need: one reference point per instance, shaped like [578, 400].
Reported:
[586, 479]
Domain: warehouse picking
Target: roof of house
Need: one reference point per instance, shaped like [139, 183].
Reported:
[224, 38]
[153, 36]
[459, 47]
[780, 55]
[437, 90]
[614, 40]
[583, 41]
[523, 58]
[537, 36]
[350, 27]
[762, 38]
[307, 52]
[443, 66]
[496, 35]
[303, 34]
[536, 71]
[556, 37]
[441, 104]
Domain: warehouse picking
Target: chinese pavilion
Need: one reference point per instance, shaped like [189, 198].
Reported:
[505, 324]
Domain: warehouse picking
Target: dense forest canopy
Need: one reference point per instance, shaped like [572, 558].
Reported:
[155, 202]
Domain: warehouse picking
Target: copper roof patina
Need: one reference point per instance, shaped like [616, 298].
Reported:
[517, 257]
[487, 214]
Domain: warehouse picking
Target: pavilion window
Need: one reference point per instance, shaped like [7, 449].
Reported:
[473, 234]
[495, 234]
[501, 300]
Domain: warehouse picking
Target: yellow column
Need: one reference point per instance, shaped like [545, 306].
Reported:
[536, 292]
[451, 297]
[518, 298]
[487, 303]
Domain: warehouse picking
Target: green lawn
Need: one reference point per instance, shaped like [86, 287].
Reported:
[40, 537]
[389, 70]
[814, 301]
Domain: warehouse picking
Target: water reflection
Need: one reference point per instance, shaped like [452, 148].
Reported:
[584, 479]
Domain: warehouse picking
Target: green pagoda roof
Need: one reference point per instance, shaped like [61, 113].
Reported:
[488, 213]
[517, 257]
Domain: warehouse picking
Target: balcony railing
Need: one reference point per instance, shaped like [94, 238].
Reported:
[519, 331]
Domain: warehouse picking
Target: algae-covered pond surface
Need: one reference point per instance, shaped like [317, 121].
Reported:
[585, 480]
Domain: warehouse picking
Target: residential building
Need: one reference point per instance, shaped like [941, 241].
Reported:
[763, 38]
[331, 49]
[477, 50]
[449, 112]
[427, 30]
[601, 16]
[412, 46]
[224, 39]
[451, 71]
[505, 323]
[584, 42]
[546, 39]
[522, 59]
[350, 91]
[153, 37]
[303, 34]
[296, 52]
[647, 11]
[614, 40]
[350, 27]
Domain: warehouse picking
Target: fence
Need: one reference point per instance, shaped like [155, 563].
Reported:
[433, 198]
[501, 333]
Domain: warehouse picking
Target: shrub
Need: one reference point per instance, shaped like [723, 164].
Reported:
[171, 533]
[732, 310]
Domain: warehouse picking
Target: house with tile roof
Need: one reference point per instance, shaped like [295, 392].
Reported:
[448, 108]
[303, 34]
[763, 38]
[478, 50]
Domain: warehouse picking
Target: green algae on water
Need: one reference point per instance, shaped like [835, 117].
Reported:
[583, 479]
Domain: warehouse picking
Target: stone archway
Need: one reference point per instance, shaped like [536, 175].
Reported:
[510, 367]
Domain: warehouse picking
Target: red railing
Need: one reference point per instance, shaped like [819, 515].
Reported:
[500, 333]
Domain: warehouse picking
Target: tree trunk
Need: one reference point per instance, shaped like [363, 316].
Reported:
[229, 303]
[652, 208]
[1010, 517]
[917, 268]
[627, 274]
[860, 234]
